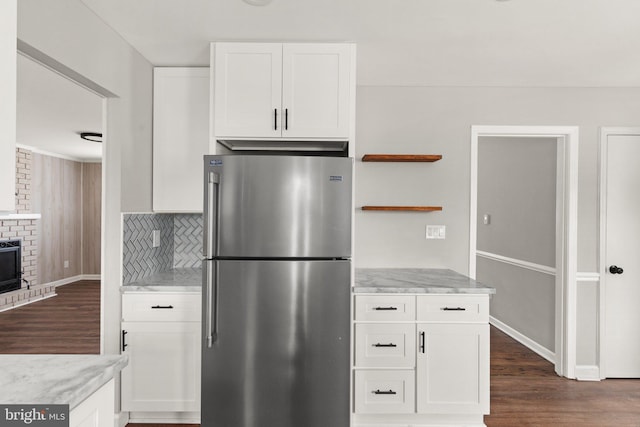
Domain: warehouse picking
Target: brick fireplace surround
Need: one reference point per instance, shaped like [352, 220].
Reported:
[23, 225]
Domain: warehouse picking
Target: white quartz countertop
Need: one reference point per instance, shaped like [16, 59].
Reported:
[416, 280]
[174, 280]
[55, 379]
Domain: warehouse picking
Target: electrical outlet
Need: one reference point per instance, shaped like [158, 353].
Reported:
[155, 237]
[66, 264]
[435, 232]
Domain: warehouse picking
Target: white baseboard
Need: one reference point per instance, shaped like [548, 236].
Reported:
[587, 373]
[121, 419]
[73, 279]
[524, 340]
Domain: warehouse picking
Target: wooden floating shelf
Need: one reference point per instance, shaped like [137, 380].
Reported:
[403, 208]
[401, 157]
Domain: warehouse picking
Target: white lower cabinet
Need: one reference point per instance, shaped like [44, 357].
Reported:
[96, 410]
[452, 373]
[163, 374]
[421, 360]
[385, 392]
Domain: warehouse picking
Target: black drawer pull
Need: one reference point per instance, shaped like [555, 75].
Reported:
[453, 309]
[162, 306]
[385, 308]
[384, 392]
[384, 345]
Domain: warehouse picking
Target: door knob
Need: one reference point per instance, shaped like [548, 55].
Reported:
[614, 269]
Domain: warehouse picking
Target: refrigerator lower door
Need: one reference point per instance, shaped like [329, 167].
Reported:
[281, 356]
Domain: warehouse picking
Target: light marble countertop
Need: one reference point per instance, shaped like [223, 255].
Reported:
[55, 379]
[416, 280]
[174, 280]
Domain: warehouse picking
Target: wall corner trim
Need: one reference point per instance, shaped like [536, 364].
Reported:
[587, 373]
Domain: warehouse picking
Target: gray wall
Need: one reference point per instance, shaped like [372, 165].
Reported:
[524, 299]
[517, 188]
[438, 120]
[422, 119]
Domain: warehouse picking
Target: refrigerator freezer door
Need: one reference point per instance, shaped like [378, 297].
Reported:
[279, 206]
[281, 358]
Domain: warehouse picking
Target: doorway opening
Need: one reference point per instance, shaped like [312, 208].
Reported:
[564, 281]
[82, 175]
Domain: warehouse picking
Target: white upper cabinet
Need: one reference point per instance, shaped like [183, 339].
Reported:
[248, 89]
[315, 90]
[180, 137]
[291, 91]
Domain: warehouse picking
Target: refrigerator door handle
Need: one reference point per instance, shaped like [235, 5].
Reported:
[211, 299]
[213, 193]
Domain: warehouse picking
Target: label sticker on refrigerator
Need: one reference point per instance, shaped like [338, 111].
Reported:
[335, 178]
[215, 162]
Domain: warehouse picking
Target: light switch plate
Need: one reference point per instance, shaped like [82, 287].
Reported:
[436, 232]
[155, 235]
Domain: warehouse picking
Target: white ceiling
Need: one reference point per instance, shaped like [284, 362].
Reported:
[408, 42]
[52, 111]
[570, 43]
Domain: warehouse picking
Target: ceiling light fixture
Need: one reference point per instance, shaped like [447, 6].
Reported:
[257, 2]
[91, 136]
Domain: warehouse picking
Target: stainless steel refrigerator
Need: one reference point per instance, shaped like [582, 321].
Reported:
[276, 287]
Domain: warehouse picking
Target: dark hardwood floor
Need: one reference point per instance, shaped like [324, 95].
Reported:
[525, 391]
[68, 323]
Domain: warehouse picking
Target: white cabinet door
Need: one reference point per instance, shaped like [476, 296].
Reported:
[163, 373]
[293, 91]
[248, 90]
[315, 93]
[453, 368]
[180, 137]
[97, 410]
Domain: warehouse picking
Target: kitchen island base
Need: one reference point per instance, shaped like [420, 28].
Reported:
[421, 349]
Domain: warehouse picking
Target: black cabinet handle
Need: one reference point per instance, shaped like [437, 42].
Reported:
[422, 344]
[384, 392]
[385, 308]
[162, 306]
[275, 119]
[384, 345]
[453, 309]
[286, 119]
[124, 345]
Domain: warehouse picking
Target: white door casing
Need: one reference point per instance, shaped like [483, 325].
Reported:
[566, 229]
[619, 246]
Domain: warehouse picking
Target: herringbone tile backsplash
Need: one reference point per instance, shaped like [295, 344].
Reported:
[180, 244]
[187, 240]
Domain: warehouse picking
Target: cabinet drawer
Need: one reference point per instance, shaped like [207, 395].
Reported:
[385, 345]
[453, 308]
[384, 392]
[385, 307]
[163, 307]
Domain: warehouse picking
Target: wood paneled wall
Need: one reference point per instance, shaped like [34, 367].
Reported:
[58, 194]
[91, 217]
